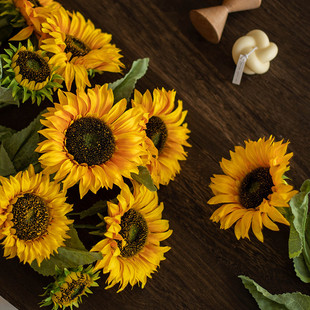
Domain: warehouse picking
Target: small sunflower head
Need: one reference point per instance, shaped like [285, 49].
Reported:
[69, 287]
[28, 73]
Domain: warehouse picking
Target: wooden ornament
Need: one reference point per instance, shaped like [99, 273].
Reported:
[210, 22]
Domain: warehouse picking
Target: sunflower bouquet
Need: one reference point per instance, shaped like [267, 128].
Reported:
[94, 138]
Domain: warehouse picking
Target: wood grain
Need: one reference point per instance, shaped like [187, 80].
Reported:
[201, 269]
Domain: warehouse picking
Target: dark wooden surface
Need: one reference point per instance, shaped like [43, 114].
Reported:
[201, 269]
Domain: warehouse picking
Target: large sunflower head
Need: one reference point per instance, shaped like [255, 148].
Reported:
[33, 220]
[91, 141]
[131, 250]
[166, 131]
[34, 13]
[29, 73]
[79, 48]
[252, 188]
[69, 287]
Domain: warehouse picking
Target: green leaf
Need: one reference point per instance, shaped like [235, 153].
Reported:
[123, 88]
[97, 207]
[267, 301]
[72, 255]
[299, 209]
[21, 145]
[144, 178]
[74, 241]
[301, 269]
[66, 258]
[5, 132]
[6, 97]
[299, 237]
[6, 165]
[1, 68]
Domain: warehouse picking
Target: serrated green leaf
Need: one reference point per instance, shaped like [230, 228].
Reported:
[20, 146]
[267, 301]
[299, 209]
[301, 269]
[72, 255]
[299, 237]
[124, 87]
[6, 97]
[6, 165]
[144, 178]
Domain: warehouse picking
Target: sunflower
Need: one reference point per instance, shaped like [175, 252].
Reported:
[69, 287]
[33, 220]
[131, 250]
[253, 187]
[34, 13]
[166, 133]
[91, 141]
[79, 48]
[29, 73]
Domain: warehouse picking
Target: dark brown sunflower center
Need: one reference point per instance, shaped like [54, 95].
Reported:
[33, 67]
[90, 141]
[35, 3]
[73, 290]
[256, 186]
[134, 231]
[76, 46]
[30, 217]
[156, 130]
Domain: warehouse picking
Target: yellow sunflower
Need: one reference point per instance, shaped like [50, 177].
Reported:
[35, 13]
[33, 220]
[252, 188]
[79, 48]
[69, 287]
[91, 141]
[166, 131]
[131, 250]
[29, 73]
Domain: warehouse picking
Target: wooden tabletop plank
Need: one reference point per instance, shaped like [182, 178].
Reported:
[201, 270]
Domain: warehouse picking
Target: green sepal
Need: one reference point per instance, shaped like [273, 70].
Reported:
[57, 77]
[9, 52]
[267, 301]
[144, 178]
[6, 80]
[46, 92]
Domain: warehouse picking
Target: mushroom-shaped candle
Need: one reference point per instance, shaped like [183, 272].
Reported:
[259, 51]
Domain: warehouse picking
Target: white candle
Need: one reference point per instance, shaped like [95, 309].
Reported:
[258, 60]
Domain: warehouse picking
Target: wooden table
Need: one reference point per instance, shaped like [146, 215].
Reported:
[201, 269]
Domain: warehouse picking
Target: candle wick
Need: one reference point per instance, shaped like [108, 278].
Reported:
[250, 52]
